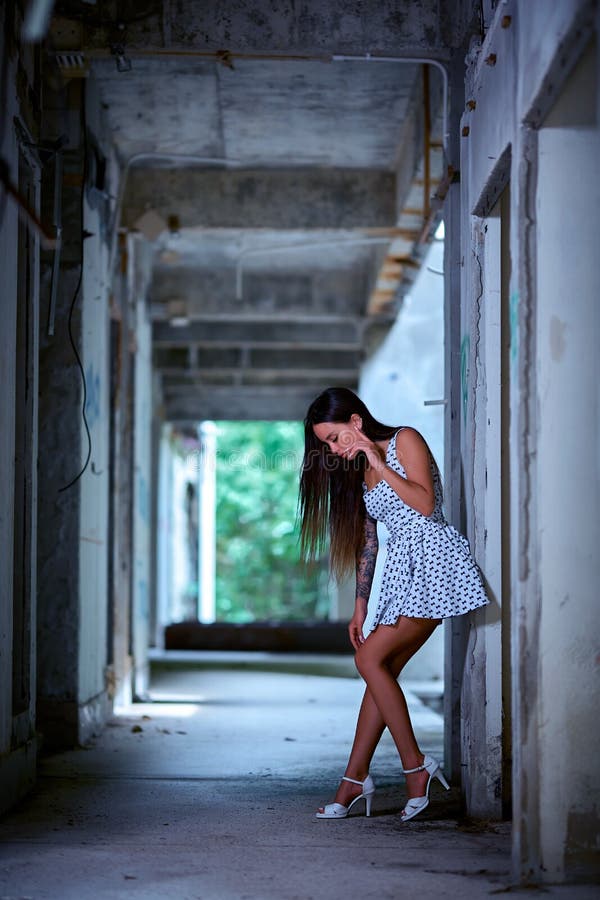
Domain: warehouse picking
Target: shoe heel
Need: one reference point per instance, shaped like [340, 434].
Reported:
[368, 798]
[440, 777]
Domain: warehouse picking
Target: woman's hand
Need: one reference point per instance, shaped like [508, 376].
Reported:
[362, 443]
[355, 628]
[416, 489]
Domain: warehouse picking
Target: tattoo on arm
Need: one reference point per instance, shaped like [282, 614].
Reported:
[365, 563]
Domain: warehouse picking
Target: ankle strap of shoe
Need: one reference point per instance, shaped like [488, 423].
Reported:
[410, 771]
[353, 780]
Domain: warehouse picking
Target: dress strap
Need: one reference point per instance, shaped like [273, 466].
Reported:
[391, 447]
[391, 457]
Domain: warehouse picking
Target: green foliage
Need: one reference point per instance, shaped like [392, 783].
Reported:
[259, 571]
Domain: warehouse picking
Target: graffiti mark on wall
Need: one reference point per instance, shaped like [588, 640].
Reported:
[465, 349]
[92, 406]
[513, 315]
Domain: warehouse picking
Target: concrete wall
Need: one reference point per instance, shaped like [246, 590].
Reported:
[8, 252]
[93, 599]
[65, 652]
[567, 471]
[529, 412]
[455, 629]
[73, 549]
[94, 489]
[18, 436]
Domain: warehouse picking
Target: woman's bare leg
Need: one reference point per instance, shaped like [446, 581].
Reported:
[370, 724]
[374, 661]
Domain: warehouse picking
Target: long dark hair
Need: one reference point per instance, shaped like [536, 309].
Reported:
[331, 492]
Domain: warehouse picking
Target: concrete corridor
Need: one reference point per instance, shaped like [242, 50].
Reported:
[208, 792]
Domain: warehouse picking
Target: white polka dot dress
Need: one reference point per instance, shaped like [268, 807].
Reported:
[429, 571]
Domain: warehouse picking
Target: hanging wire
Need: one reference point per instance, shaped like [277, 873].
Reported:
[76, 293]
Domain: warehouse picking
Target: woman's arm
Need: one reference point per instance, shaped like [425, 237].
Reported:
[365, 567]
[416, 489]
[365, 563]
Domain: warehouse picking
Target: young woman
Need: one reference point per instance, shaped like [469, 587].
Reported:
[356, 471]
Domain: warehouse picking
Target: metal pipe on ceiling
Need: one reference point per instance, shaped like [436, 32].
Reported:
[336, 57]
[426, 143]
[430, 209]
[410, 60]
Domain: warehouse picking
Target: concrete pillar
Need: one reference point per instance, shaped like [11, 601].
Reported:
[557, 726]
[60, 459]
[207, 487]
[456, 629]
[140, 267]
[121, 487]
[163, 551]
[551, 484]
[484, 726]
[19, 272]
[93, 699]
[73, 563]
[155, 630]
[182, 537]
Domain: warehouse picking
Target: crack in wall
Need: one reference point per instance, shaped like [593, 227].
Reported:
[527, 188]
[530, 608]
[478, 368]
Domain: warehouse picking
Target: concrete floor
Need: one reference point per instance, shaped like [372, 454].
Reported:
[212, 798]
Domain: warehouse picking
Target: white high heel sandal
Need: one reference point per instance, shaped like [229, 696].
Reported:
[418, 804]
[339, 811]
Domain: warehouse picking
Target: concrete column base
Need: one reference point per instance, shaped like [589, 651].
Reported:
[66, 723]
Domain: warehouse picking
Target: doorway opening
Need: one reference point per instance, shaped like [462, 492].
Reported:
[231, 541]
[259, 572]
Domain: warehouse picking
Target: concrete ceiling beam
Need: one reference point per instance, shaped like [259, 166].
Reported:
[261, 320]
[281, 199]
[287, 286]
[174, 380]
[276, 357]
[301, 356]
[315, 332]
[242, 403]
[315, 27]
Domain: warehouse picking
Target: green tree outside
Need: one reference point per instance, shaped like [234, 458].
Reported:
[259, 571]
